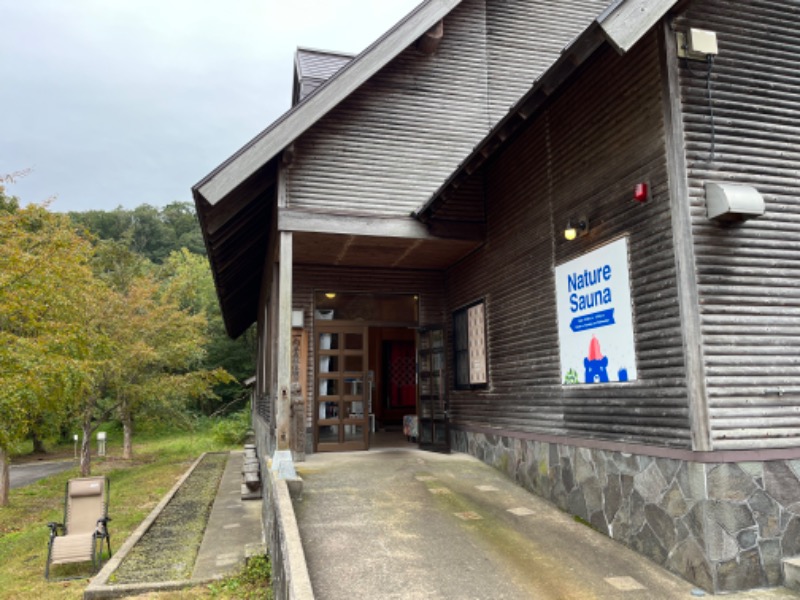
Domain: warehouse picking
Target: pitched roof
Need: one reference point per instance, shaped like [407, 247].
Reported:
[236, 230]
[315, 67]
[258, 152]
[622, 24]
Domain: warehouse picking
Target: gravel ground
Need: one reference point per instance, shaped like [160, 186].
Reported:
[167, 551]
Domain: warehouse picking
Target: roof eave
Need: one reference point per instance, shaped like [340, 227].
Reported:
[626, 21]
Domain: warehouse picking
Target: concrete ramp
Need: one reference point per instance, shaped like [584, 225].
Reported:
[406, 524]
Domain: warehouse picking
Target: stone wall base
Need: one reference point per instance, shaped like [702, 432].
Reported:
[722, 526]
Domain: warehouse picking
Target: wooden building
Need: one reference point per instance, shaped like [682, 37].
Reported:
[643, 374]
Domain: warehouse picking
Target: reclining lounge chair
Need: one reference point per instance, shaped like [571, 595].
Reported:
[80, 537]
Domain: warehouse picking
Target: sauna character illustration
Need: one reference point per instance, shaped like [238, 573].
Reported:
[595, 363]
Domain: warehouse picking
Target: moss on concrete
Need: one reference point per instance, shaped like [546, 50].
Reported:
[167, 551]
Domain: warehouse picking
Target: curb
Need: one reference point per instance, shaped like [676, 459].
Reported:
[100, 588]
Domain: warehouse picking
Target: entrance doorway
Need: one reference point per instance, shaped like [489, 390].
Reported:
[375, 370]
[342, 396]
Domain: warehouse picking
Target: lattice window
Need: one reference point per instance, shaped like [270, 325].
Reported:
[469, 333]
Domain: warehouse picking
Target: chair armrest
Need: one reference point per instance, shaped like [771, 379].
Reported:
[102, 525]
[54, 527]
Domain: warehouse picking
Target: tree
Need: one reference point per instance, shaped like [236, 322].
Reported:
[181, 218]
[8, 203]
[85, 332]
[45, 282]
[151, 232]
[161, 350]
[138, 234]
[192, 286]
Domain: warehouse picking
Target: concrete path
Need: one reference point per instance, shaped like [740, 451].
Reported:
[234, 527]
[406, 524]
[27, 473]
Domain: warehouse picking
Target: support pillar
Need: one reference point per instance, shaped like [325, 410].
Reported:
[282, 459]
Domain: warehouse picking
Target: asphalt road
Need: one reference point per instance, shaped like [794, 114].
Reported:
[25, 474]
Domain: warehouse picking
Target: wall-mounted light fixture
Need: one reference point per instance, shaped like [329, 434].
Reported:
[576, 227]
[330, 295]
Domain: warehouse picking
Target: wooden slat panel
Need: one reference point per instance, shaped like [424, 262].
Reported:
[582, 156]
[524, 38]
[392, 143]
[748, 275]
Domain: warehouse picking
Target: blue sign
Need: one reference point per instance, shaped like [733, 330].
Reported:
[595, 316]
[602, 318]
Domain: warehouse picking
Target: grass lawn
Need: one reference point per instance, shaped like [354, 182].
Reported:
[137, 486]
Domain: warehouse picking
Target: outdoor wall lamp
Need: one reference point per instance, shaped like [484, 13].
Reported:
[575, 228]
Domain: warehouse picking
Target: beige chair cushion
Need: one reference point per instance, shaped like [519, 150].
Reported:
[72, 548]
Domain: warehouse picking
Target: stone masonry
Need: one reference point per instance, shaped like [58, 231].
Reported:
[723, 527]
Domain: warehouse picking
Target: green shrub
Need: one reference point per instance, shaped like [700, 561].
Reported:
[232, 430]
[252, 583]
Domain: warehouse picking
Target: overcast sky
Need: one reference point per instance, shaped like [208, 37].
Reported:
[127, 102]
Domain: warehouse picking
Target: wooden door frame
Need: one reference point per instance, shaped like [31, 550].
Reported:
[342, 327]
[436, 423]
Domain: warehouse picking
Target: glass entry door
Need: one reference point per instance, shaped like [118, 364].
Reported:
[341, 407]
[433, 427]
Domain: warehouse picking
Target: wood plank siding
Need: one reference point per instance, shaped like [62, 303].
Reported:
[748, 275]
[387, 147]
[581, 156]
[524, 38]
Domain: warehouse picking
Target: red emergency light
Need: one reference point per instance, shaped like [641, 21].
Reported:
[641, 192]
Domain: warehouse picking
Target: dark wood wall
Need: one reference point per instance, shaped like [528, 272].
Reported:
[748, 275]
[582, 155]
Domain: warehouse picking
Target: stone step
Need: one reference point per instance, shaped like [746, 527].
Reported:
[250, 495]
[252, 481]
[791, 573]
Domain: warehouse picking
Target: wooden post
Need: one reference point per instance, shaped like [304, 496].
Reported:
[5, 477]
[283, 401]
[685, 269]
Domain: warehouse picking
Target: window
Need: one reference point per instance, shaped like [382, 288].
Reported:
[469, 335]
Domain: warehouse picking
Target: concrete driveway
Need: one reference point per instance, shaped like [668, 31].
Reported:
[27, 473]
[406, 524]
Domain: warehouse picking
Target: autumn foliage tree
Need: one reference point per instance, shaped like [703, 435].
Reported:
[162, 348]
[87, 332]
[45, 283]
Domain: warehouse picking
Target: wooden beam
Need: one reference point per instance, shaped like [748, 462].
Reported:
[302, 221]
[458, 230]
[628, 21]
[428, 42]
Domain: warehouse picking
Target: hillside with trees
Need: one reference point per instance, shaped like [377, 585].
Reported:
[108, 316]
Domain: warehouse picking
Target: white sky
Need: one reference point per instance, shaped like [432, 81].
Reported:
[127, 102]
